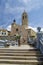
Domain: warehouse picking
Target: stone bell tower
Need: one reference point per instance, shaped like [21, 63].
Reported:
[24, 19]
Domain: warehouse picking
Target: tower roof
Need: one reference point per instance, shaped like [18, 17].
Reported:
[14, 20]
[24, 12]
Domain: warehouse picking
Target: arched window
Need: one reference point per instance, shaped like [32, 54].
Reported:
[23, 17]
[17, 29]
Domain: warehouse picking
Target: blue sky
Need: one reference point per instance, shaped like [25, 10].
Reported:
[13, 9]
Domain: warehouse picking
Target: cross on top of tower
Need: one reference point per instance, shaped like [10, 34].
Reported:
[24, 12]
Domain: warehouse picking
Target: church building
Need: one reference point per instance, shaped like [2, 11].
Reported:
[22, 29]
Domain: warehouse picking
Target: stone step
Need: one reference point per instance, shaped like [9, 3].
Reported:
[32, 56]
[12, 64]
[21, 57]
[16, 64]
[22, 64]
[19, 61]
[8, 49]
[30, 52]
[20, 54]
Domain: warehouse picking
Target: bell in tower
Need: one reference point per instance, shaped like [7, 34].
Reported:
[24, 19]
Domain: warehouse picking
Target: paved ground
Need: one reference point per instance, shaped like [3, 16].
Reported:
[19, 47]
[22, 47]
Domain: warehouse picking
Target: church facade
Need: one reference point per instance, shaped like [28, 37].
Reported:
[22, 29]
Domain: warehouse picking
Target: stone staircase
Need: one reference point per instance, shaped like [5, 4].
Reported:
[20, 57]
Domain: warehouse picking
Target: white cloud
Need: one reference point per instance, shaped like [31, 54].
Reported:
[12, 10]
[9, 28]
[32, 4]
[28, 6]
[35, 29]
[42, 29]
[29, 27]
[25, 1]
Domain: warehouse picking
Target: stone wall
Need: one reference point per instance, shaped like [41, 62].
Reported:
[7, 38]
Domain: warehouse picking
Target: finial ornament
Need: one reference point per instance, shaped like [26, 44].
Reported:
[14, 20]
